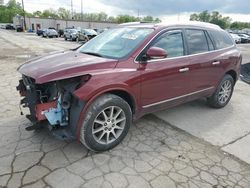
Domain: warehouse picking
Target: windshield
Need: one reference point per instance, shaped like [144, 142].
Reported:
[116, 43]
[73, 31]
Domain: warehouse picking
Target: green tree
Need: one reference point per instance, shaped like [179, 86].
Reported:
[49, 13]
[37, 14]
[148, 19]
[214, 17]
[11, 9]
[240, 25]
[63, 13]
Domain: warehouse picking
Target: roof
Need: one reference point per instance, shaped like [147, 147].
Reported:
[172, 24]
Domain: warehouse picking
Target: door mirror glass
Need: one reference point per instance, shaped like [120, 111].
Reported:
[156, 53]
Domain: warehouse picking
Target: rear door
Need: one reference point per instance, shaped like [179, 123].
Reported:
[204, 65]
[165, 82]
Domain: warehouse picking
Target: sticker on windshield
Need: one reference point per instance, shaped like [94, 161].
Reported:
[130, 36]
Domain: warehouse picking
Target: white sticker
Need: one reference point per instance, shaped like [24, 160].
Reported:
[130, 36]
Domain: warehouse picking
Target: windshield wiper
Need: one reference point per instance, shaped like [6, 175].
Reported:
[93, 53]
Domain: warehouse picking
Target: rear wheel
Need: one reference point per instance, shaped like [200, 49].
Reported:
[223, 93]
[106, 123]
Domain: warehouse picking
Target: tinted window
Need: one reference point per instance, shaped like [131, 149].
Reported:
[221, 39]
[172, 42]
[209, 41]
[197, 42]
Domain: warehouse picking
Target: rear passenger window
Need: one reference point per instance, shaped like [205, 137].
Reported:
[197, 42]
[210, 43]
[221, 39]
[172, 42]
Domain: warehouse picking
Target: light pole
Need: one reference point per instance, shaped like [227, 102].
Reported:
[72, 9]
[81, 11]
[24, 20]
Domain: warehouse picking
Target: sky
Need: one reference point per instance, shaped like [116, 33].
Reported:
[166, 10]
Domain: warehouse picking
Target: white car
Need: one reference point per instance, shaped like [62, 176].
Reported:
[50, 33]
[236, 38]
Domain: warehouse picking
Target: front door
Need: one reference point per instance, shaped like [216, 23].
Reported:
[165, 82]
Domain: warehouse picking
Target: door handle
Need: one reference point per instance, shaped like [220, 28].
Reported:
[184, 69]
[216, 63]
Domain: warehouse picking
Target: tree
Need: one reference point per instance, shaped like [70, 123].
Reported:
[214, 17]
[157, 20]
[148, 19]
[63, 13]
[240, 25]
[37, 14]
[50, 13]
[11, 9]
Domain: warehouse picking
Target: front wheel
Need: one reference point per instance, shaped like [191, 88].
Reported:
[106, 123]
[223, 92]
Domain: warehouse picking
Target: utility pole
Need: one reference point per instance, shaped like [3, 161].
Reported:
[81, 11]
[72, 9]
[24, 20]
[138, 14]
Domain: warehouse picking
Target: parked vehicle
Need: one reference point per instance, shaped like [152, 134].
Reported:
[19, 28]
[90, 33]
[9, 27]
[86, 35]
[50, 33]
[244, 38]
[60, 32]
[3, 26]
[236, 38]
[70, 34]
[97, 90]
[40, 32]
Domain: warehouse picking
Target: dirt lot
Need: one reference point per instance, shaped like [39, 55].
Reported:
[154, 154]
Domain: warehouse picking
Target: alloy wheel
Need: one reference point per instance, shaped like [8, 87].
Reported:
[225, 92]
[109, 125]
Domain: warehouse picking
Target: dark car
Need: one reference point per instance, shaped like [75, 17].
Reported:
[61, 32]
[97, 90]
[40, 32]
[10, 27]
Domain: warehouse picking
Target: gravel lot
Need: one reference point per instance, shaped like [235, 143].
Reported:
[154, 154]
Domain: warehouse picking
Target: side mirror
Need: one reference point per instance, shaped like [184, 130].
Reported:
[156, 53]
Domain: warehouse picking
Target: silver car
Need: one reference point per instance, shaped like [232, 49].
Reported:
[50, 33]
[70, 34]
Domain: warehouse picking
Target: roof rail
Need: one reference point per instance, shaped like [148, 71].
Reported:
[134, 23]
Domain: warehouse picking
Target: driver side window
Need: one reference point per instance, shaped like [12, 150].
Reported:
[172, 42]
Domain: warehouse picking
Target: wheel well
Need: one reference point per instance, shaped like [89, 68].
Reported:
[233, 74]
[125, 96]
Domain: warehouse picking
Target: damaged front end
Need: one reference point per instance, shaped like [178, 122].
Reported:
[53, 102]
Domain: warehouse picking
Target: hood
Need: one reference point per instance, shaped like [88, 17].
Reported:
[62, 65]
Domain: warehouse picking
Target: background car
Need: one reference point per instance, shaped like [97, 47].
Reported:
[236, 38]
[61, 32]
[50, 33]
[40, 32]
[90, 33]
[9, 27]
[244, 38]
[70, 34]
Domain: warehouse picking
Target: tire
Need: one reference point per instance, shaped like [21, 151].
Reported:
[65, 38]
[221, 97]
[96, 128]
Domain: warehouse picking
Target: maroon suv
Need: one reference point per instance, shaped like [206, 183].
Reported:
[96, 91]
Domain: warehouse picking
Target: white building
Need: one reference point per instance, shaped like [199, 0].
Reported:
[40, 23]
